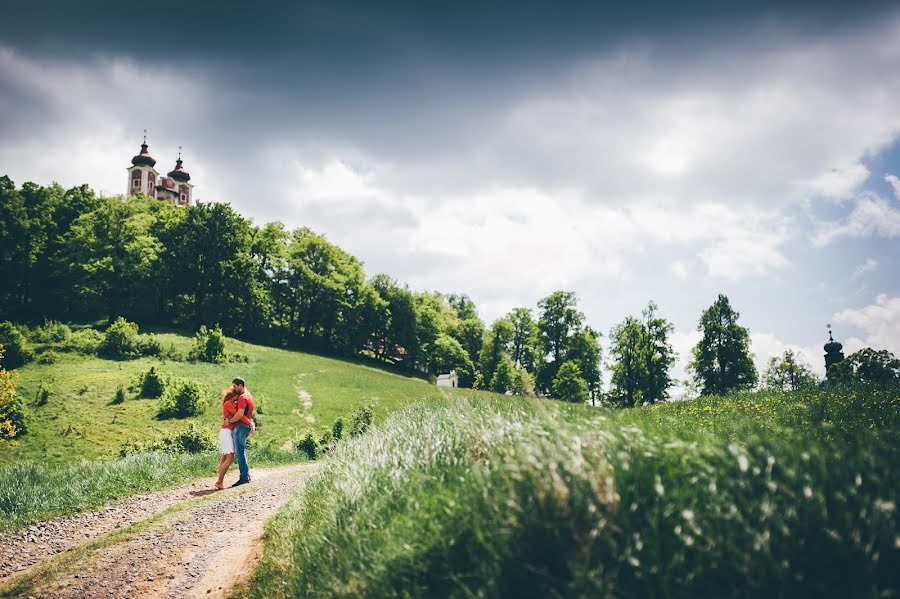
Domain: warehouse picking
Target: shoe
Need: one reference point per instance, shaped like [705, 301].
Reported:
[240, 481]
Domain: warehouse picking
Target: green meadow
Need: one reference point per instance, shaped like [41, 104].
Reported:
[752, 494]
[296, 391]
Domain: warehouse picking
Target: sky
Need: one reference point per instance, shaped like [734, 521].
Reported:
[507, 150]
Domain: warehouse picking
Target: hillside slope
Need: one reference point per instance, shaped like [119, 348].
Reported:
[295, 390]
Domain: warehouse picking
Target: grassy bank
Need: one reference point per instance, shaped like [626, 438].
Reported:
[507, 497]
[32, 491]
[296, 391]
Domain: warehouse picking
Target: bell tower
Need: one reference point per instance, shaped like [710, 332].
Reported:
[141, 174]
[833, 352]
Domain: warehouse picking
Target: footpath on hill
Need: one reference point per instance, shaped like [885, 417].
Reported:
[189, 541]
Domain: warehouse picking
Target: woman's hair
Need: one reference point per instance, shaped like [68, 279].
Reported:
[227, 393]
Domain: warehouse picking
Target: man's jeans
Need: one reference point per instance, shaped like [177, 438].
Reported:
[239, 436]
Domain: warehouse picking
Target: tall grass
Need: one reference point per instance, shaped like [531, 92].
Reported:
[523, 498]
[34, 491]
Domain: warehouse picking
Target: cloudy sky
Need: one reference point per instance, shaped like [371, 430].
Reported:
[509, 150]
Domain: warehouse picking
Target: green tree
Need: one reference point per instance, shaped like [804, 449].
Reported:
[496, 345]
[584, 350]
[721, 360]
[658, 355]
[629, 368]
[867, 366]
[788, 372]
[568, 385]
[559, 320]
[504, 377]
[447, 354]
[523, 382]
[12, 412]
[526, 338]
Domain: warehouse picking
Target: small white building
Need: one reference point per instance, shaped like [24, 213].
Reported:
[448, 380]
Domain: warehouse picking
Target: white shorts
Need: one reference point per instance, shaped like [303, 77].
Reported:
[226, 443]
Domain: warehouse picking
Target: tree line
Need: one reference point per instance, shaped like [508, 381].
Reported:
[71, 255]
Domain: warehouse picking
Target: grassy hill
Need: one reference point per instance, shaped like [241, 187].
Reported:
[754, 494]
[295, 390]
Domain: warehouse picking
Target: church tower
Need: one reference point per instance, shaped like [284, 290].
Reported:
[833, 352]
[141, 174]
[181, 178]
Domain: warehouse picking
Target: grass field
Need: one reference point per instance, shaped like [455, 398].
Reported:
[295, 390]
[746, 495]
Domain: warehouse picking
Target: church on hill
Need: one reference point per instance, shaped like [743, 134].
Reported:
[143, 178]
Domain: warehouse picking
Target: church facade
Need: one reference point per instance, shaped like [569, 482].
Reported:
[143, 178]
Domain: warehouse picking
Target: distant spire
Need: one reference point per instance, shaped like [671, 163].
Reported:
[145, 137]
[179, 152]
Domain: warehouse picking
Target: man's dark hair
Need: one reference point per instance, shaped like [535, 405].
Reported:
[238, 381]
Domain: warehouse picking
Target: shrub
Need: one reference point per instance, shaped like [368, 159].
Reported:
[568, 385]
[85, 341]
[120, 341]
[307, 444]
[361, 419]
[182, 401]
[119, 397]
[151, 384]
[337, 429]
[188, 440]
[209, 346]
[171, 353]
[12, 412]
[48, 357]
[43, 395]
[51, 332]
[18, 351]
[149, 345]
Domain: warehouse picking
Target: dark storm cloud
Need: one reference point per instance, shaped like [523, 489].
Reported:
[358, 36]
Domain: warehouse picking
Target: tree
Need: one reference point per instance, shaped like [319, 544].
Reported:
[12, 412]
[525, 340]
[867, 366]
[721, 360]
[658, 355]
[629, 366]
[584, 350]
[559, 320]
[504, 376]
[787, 372]
[447, 354]
[496, 345]
[523, 382]
[568, 384]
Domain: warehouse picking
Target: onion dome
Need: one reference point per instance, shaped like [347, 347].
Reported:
[144, 158]
[179, 174]
[832, 347]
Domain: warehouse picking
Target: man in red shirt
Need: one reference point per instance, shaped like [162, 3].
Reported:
[241, 430]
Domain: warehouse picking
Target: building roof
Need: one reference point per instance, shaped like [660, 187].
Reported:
[178, 173]
[144, 158]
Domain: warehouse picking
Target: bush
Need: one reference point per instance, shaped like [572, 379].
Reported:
[12, 412]
[361, 420]
[187, 440]
[119, 397]
[568, 385]
[43, 395]
[48, 357]
[209, 346]
[120, 341]
[86, 342]
[18, 351]
[51, 332]
[149, 345]
[307, 444]
[182, 401]
[337, 429]
[151, 384]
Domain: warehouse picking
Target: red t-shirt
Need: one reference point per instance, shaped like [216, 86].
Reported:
[231, 405]
[229, 409]
[245, 401]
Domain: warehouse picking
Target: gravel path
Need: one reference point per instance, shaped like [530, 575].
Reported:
[201, 550]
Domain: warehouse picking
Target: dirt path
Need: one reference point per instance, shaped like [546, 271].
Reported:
[183, 542]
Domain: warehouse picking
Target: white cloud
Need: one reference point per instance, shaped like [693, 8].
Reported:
[839, 184]
[880, 323]
[895, 184]
[872, 216]
[870, 265]
[680, 269]
[765, 346]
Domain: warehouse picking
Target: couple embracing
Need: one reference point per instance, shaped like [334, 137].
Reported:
[237, 424]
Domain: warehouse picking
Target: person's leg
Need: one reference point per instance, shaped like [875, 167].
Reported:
[224, 463]
[240, 449]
